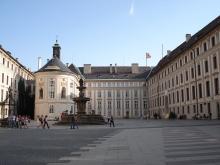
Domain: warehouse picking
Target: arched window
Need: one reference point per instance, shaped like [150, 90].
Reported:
[41, 93]
[63, 93]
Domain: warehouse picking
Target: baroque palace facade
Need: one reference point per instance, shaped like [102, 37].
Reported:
[118, 91]
[186, 81]
[11, 71]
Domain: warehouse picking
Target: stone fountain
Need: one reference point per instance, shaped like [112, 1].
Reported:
[82, 117]
[81, 100]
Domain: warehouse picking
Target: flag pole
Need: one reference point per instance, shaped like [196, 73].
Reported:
[146, 62]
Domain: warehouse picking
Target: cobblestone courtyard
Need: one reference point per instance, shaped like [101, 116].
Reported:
[137, 142]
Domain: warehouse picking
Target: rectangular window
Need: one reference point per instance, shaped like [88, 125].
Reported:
[71, 85]
[200, 90]
[8, 64]
[2, 77]
[215, 62]
[99, 105]
[193, 93]
[136, 104]
[207, 89]
[109, 105]
[199, 71]
[2, 93]
[192, 72]
[213, 41]
[182, 93]
[180, 63]
[204, 46]
[173, 98]
[109, 94]
[181, 78]
[197, 51]
[145, 92]
[135, 94]
[126, 94]
[194, 108]
[209, 108]
[127, 104]
[216, 83]
[118, 104]
[191, 55]
[186, 75]
[7, 80]
[177, 96]
[3, 61]
[201, 108]
[187, 94]
[145, 104]
[99, 94]
[185, 59]
[52, 89]
[206, 66]
[169, 98]
[51, 109]
[118, 94]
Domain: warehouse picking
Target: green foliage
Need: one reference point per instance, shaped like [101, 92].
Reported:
[25, 104]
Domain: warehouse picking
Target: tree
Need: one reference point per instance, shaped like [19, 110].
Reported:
[21, 97]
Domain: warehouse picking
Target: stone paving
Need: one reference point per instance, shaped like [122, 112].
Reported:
[141, 142]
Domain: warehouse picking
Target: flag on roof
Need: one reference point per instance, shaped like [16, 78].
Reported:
[148, 55]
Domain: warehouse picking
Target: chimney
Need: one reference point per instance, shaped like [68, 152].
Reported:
[116, 68]
[188, 36]
[39, 63]
[48, 60]
[87, 68]
[111, 68]
[134, 68]
[67, 64]
[168, 52]
[9, 52]
[16, 59]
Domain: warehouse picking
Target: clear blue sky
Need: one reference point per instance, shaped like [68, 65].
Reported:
[100, 32]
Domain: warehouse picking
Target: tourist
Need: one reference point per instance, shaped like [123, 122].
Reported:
[76, 121]
[45, 122]
[112, 122]
[72, 122]
[40, 121]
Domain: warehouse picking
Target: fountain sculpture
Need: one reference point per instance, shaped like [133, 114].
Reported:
[82, 117]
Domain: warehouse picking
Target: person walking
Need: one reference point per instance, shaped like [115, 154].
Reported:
[76, 121]
[45, 122]
[72, 122]
[40, 121]
[112, 121]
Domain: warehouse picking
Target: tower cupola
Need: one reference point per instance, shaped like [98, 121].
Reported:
[56, 50]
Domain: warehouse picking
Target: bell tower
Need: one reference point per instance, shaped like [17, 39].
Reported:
[56, 50]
